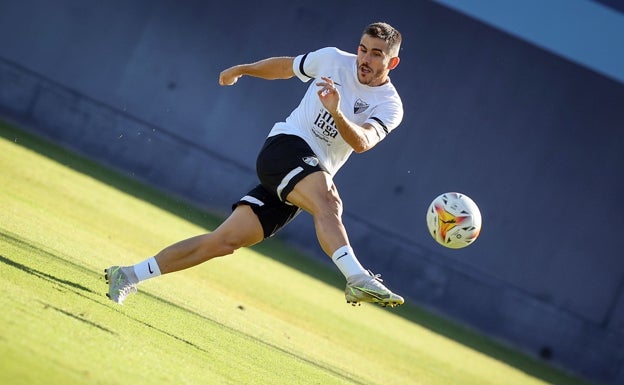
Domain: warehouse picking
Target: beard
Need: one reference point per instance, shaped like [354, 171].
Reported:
[367, 75]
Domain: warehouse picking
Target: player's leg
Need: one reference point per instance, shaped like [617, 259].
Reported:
[290, 170]
[317, 194]
[242, 228]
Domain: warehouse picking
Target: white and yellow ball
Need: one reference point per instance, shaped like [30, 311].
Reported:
[454, 220]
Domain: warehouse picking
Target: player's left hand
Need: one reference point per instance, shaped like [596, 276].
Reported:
[230, 76]
[328, 94]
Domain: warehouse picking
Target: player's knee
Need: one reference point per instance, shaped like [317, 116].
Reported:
[230, 244]
[331, 203]
[317, 199]
[220, 244]
[336, 201]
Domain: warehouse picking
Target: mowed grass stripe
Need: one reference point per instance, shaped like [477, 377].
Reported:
[57, 312]
[263, 316]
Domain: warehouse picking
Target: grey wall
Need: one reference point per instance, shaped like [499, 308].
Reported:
[534, 139]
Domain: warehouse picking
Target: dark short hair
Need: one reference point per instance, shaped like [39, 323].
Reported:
[387, 33]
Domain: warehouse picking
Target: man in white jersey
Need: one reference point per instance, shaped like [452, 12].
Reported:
[351, 105]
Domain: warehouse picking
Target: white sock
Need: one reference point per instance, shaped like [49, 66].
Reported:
[346, 261]
[146, 269]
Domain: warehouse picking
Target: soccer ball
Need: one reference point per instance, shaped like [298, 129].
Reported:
[454, 220]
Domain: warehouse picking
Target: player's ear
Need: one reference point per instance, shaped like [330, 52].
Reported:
[394, 62]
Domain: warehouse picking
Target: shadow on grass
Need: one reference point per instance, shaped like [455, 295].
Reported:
[39, 274]
[280, 252]
[67, 284]
[83, 292]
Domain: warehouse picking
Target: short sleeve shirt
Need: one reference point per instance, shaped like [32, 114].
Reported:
[380, 106]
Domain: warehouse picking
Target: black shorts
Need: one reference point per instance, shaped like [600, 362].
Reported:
[283, 161]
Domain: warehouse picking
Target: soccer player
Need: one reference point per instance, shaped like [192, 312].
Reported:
[351, 105]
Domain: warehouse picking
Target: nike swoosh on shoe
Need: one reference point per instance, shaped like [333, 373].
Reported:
[372, 293]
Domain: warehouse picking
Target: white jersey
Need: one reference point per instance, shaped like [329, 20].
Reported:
[380, 106]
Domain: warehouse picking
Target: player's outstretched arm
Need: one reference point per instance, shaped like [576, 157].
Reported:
[270, 69]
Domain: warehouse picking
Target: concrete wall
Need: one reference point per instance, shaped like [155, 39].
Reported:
[534, 139]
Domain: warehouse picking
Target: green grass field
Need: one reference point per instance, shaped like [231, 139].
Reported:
[262, 316]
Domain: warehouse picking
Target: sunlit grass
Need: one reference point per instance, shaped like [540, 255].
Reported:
[262, 316]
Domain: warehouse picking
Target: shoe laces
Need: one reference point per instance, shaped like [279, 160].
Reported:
[127, 286]
[376, 279]
[126, 290]
[376, 276]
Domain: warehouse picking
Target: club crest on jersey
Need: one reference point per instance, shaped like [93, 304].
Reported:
[310, 160]
[360, 106]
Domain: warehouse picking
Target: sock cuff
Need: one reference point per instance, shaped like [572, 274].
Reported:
[344, 258]
[342, 252]
[147, 269]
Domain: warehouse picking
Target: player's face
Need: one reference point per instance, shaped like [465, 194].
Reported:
[374, 62]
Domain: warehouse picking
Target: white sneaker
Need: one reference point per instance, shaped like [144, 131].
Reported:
[119, 284]
[368, 288]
